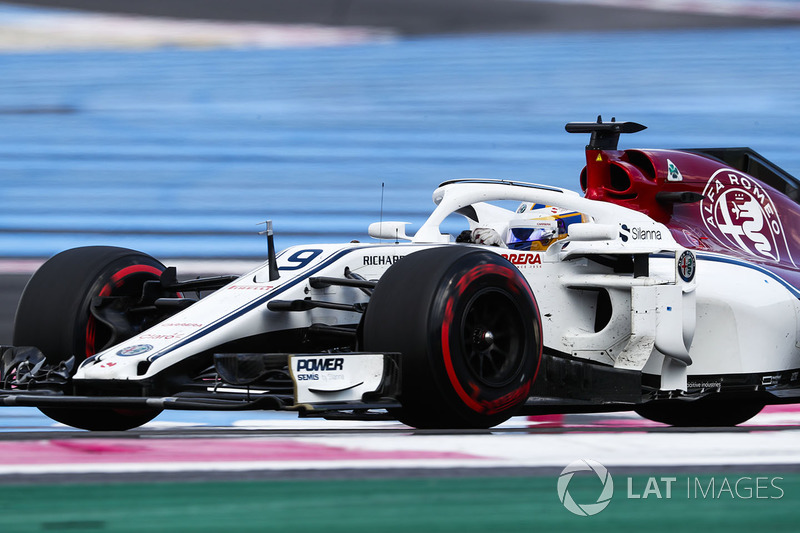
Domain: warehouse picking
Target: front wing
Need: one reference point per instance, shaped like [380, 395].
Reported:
[321, 383]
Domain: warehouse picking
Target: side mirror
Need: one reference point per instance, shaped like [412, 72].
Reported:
[593, 232]
[389, 229]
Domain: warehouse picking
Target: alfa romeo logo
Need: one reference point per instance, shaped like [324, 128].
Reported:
[591, 508]
[136, 349]
[686, 266]
[740, 212]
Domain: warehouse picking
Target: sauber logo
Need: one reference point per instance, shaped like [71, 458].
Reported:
[524, 259]
[739, 211]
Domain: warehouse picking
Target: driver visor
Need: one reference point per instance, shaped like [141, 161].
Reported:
[521, 235]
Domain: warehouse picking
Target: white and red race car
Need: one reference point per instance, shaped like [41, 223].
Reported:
[669, 287]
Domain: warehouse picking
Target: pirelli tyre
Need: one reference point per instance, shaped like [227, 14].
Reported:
[468, 327]
[55, 315]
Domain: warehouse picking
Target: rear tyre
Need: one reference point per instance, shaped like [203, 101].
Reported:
[713, 411]
[55, 315]
[468, 327]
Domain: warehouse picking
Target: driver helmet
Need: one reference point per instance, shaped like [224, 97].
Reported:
[539, 226]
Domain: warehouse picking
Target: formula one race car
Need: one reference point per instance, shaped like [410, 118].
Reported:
[670, 287]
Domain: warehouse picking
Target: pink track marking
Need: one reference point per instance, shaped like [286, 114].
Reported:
[788, 408]
[82, 451]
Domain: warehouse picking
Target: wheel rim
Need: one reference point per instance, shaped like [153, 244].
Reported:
[493, 338]
[124, 282]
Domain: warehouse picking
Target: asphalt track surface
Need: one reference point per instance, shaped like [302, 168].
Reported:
[307, 475]
[279, 445]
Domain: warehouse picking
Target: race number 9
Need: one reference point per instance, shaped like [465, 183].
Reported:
[301, 259]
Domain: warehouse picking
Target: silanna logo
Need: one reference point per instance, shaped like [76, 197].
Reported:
[638, 234]
[739, 211]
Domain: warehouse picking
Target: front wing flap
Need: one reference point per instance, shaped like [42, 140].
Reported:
[322, 382]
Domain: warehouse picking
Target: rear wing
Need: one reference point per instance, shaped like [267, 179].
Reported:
[605, 135]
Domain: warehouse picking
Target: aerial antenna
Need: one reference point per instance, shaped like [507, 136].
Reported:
[380, 220]
[271, 256]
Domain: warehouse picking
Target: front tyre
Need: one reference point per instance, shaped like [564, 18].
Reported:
[55, 314]
[468, 327]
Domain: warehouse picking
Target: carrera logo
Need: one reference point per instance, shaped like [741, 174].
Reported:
[638, 234]
[320, 365]
[524, 259]
[739, 211]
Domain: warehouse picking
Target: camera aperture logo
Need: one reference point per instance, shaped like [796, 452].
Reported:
[584, 508]
[585, 488]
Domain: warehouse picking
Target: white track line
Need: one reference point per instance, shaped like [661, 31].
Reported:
[32, 29]
[674, 450]
[758, 9]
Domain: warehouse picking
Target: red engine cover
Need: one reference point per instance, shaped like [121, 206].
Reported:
[738, 215]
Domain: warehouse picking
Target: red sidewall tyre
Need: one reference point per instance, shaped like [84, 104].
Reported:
[54, 314]
[468, 327]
